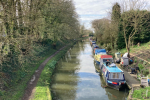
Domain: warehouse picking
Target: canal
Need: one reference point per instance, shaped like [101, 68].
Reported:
[76, 77]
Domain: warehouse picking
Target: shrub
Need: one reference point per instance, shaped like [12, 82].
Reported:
[135, 60]
[102, 43]
[144, 63]
[2, 93]
[109, 48]
[141, 61]
[140, 66]
[145, 72]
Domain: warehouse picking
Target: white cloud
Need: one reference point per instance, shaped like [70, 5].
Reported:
[89, 10]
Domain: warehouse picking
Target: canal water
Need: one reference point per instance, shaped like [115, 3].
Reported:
[76, 77]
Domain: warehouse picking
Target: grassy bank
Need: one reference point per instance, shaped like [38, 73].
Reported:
[39, 54]
[42, 91]
[141, 93]
[142, 60]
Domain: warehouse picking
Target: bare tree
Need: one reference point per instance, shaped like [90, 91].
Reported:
[132, 19]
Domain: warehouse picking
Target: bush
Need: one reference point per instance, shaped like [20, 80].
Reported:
[135, 60]
[102, 43]
[140, 66]
[109, 48]
[1, 93]
[141, 61]
[145, 72]
[144, 63]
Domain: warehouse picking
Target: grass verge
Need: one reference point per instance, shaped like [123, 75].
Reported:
[42, 91]
[142, 94]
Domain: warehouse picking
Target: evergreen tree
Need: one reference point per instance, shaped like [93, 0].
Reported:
[115, 16]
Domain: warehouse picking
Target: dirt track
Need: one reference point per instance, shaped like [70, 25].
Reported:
[33, 81]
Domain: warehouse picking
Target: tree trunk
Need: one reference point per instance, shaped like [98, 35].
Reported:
[128, 49]
[20, 17]
[14, 20]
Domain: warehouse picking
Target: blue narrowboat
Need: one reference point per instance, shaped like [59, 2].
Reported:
[112, 75]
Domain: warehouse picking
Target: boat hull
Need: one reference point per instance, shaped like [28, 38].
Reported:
[116, 87]
[120, 84]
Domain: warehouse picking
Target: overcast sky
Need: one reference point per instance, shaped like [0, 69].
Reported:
[89, 10]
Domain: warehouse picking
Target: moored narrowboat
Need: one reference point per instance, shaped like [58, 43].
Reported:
[98, 53]
[93, 42]
[112, 75]
[95, 47]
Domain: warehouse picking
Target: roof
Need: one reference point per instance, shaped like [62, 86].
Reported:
[106, 56]
[99, 50]
[113, 69]
[96, 46]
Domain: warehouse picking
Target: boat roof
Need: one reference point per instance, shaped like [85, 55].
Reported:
[106, 56]
[96, 46]
[113, 68]
[99, 50]
[102, 53]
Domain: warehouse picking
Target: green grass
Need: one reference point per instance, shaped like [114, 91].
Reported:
[135, 48]
[141, 93]
[42, 91]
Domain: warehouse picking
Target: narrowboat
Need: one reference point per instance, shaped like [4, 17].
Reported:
[98, 53]
[93, 42]
[95, 47]
[112, 75]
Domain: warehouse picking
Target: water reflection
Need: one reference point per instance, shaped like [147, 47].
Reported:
[76, 77]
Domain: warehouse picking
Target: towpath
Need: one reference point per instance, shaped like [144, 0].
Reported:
[33, 81]
[130, 79]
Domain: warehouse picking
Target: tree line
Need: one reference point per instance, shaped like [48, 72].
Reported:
[126, 25]
[24, 23]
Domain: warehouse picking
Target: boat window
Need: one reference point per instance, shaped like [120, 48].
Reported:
[107, 60]
[116, 76]
[108, 63]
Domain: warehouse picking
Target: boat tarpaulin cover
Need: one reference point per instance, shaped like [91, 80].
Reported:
[98, 56]
[99, 50]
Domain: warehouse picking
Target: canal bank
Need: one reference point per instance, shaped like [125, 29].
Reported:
[41, 80]
[76, 78]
